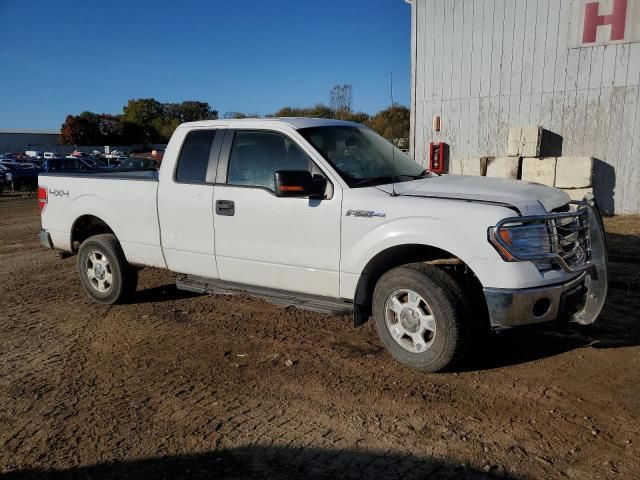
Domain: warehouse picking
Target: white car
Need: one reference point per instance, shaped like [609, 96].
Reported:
[327, 215]
[34, 154]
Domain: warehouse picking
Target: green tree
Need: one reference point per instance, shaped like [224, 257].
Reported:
[319, 110]
[392, 123]
[236, 115]
[143, 112]
[192, 111]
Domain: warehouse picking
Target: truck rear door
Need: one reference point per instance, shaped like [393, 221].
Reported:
[185, 202]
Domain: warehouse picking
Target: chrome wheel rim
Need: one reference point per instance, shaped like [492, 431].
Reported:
[98, 271]
[410, 320]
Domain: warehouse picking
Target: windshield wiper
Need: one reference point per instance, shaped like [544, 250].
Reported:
[367, 182]
[423, 174]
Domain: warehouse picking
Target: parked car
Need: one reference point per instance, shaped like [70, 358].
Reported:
[34, 154]
[51, 155]
[8, 159]
[133, 163]
[69, 164]
[114, 161]
[328, 215]
[20, 176]
[5, 178]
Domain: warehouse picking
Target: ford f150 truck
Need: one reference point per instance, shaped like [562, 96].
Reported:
[329, 216]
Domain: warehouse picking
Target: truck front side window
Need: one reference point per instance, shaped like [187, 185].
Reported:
[256, 156]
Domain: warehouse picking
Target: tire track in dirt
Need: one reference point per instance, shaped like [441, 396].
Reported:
[176, 374]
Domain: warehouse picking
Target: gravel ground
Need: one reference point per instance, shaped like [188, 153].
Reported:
[178, 385]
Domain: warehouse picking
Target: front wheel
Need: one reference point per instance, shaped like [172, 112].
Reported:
[104, 272]
[420, 315]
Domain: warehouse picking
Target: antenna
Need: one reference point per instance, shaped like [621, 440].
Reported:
[392, 89]
[393, 151]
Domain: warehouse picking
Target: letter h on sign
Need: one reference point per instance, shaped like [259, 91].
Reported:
[592, 20]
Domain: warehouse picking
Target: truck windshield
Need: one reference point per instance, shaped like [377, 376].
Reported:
[362, 157]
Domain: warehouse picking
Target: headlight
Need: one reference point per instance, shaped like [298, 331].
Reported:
[529, 241]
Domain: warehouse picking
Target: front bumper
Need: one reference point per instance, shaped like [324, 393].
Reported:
[578, 300]
[45, 239]
[513, 308]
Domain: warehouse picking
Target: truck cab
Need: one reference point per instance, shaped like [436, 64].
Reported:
[327, 215]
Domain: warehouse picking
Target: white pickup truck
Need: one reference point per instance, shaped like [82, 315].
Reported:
[329, 216]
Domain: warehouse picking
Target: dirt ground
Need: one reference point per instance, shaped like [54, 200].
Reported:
[180, 385]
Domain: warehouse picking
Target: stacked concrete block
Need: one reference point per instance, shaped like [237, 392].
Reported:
[524, 141]
[578, 193]
[574, 176]
[503, 167]
[574, 172]
[530, 141]
[513, 141]
[539, 170]
[455, 166]
[474, 166]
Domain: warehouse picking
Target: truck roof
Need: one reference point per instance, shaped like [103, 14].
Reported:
[295, 122]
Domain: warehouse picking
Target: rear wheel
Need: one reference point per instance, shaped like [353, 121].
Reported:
[104, 272]
[420, 315]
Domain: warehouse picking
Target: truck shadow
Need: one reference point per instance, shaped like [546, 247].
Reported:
[162, 293]
[269, 462]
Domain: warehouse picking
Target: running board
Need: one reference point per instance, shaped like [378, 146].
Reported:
[314, 303]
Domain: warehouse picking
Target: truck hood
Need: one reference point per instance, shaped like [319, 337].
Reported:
[527, 197]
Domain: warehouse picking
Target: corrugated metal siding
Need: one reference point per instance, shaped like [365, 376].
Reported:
[485, 65]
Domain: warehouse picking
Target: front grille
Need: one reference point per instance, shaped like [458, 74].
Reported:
[560, 239]
[570, 238]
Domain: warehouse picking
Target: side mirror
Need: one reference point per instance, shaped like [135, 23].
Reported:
[299, 183]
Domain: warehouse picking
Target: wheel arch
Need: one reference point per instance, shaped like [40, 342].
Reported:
[398, 255]
[86, 226]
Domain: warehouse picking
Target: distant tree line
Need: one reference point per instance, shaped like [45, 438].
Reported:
[143, 120]
[147, 121]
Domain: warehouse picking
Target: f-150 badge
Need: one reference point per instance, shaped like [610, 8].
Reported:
[365, 213]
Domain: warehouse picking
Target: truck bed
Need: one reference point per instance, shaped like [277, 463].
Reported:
[124, 201]
[143, 175]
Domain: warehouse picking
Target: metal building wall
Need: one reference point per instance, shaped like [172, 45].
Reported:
[10, 138]
[485, 65]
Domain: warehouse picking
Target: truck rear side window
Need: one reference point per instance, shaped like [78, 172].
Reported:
[194, 156]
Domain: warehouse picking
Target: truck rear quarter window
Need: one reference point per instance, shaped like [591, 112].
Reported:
[194, 156]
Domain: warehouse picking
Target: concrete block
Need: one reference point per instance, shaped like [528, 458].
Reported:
[513, 141]
[539, 170]
[577, 193]
[503, 167]
[455, 166]
[530, 141]
[574, 172]
[474, 166]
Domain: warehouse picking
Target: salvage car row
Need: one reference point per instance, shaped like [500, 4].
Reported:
[20, 172]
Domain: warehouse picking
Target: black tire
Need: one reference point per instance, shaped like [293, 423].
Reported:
[445, 300]
[123, 277]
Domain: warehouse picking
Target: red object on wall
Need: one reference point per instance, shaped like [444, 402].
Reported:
[592, 20]
[438, 157]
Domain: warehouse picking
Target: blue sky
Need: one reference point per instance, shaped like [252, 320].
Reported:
[252, 56]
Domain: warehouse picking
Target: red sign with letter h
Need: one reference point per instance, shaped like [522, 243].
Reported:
[592, 20]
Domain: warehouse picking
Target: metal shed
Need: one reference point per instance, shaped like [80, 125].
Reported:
[570, 66]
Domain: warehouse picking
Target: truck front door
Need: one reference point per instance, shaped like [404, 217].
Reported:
[284, 243]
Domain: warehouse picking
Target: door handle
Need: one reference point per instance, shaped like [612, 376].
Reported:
[225, 207]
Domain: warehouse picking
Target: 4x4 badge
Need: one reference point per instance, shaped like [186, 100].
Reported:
[365, 213]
